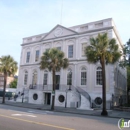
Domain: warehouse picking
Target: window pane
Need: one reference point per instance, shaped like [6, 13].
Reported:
[45, 79]
[99, 76]
[37, 56]
[28, 57]
[59, 48]
[47, 49]
[25, 78]
[83, 48]
[70, 51]
[69, 78]
[34, 81]
[83, 78]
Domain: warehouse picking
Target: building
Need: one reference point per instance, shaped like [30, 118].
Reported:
[9, 80]
[86, 88]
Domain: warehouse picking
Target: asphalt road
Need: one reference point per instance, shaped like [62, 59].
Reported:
[16, 118]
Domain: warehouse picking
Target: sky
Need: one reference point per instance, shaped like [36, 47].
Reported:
[23, 18]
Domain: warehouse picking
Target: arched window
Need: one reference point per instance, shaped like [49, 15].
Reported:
[28, 57]
[37, 53]
[84, 45]
[99, 76]
[25, 77]
[83, 76]
[45, 77]
[34, 78]
[69, 77]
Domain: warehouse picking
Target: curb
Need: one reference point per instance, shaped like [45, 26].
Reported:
[62, 111]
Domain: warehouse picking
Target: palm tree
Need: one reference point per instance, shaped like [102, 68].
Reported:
[53, 60]
[7, 67]
[103, 50]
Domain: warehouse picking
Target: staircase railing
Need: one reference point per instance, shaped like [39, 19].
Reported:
[84, 93]
[41, 87]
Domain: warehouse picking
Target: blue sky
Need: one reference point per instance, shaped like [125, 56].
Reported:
[23, 18]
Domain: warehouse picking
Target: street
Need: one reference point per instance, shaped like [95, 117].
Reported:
[16, 118]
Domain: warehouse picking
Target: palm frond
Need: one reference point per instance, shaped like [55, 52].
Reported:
[53, 59]
[101, 46]
[8, 65]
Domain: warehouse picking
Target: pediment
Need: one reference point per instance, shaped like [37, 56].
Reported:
[59, 31]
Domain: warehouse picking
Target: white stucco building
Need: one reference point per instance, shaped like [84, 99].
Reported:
[86, 88]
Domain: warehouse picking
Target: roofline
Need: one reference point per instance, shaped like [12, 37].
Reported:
[35, 35]
[91, 22]
[56, 27]
[85, 32]
[68, 27]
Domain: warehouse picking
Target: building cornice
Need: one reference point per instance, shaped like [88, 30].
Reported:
[70, 36]
[73, 60]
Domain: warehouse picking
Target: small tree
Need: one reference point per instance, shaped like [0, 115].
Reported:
[126, 63]
[105, 51]
[13, 84]
[7, 67]
[53, 60]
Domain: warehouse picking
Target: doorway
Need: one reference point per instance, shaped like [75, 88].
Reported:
[57, 82]
[47, 98]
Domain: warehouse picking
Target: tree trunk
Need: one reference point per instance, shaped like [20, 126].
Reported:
[104, 111]
[5, 81]
[53, 90]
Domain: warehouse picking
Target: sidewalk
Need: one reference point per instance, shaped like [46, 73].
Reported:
[111, 113]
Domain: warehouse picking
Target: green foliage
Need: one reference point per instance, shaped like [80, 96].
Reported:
[53, 59]
[8, 65]
[128, 77]
[101, 47]
[126, 54]
[103, 50]
[13, 84]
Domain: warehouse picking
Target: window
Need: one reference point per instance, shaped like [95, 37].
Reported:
[45, 78]
[99, 25]
[70, 51]
[37, 56]
[47, 49]
[28, 57]
[69, 77]
[83, 76]
[83, 48]
[59, 48]
[25, 78]
[99, 76]
[34, 78]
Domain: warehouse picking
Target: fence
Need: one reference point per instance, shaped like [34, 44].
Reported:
[49, 87]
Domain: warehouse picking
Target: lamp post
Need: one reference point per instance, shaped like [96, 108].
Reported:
[69, 83]
[23, 95]
[66, 98]
[70, 79]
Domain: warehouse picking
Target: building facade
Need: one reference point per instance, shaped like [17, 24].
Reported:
[86, 82]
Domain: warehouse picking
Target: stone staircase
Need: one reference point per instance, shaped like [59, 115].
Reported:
[24, 98]
[85, 99]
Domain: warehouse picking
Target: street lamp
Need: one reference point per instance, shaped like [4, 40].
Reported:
[69, 83]
[23, 95]
[70, 79]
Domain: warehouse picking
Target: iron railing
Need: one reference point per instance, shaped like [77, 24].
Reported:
[48, 87]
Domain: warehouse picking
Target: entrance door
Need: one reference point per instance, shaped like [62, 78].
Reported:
[47, 98]
[57, 82]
